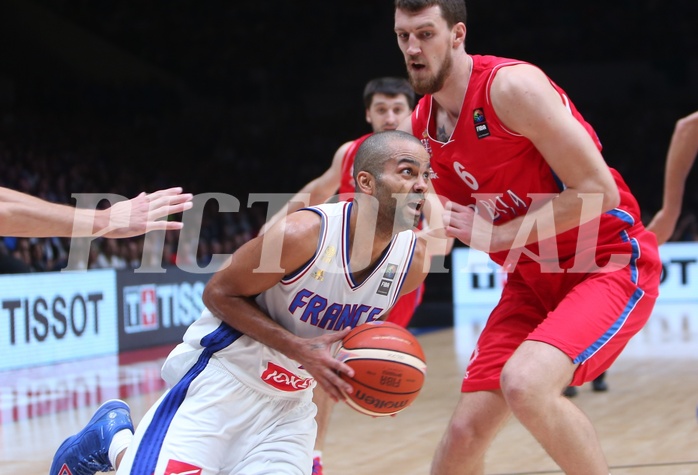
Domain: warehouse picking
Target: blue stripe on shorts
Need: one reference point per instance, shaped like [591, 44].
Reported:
[637, 295]
[149, 449]
[617, 325]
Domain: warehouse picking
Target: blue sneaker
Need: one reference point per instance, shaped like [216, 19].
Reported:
[86, 452]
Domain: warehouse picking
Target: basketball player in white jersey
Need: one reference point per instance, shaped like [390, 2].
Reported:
[240, 397]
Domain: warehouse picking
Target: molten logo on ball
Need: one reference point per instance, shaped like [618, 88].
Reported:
[377, 403]
[389, 368]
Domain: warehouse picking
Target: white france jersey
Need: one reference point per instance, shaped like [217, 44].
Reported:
[320, 297]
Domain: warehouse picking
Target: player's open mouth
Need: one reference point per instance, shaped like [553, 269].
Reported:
[416, 206]
[417, 66]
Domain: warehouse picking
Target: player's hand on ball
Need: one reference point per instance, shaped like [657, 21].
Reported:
[389, 368]
[316, 357]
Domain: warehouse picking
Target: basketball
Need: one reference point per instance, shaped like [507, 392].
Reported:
[389, 368]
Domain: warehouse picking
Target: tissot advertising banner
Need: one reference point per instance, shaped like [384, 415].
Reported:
[52, 317]
[156, 308]
[478, 281]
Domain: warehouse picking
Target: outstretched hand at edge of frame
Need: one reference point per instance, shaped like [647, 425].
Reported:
[143, 213]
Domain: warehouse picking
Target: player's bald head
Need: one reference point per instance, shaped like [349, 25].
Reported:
[380, 147]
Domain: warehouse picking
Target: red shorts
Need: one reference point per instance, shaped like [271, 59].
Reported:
[401, 313]
[590, 316]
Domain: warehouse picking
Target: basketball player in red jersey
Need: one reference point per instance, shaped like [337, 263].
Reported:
[388, 101]
[523, 179]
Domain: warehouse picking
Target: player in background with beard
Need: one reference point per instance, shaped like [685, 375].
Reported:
[523, 179]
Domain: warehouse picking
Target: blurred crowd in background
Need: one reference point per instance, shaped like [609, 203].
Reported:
[54, 171]
[123, 97]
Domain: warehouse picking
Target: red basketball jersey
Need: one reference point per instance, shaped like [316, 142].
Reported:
[496, 170]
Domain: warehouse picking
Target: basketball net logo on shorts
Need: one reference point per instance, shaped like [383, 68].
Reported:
[175, 467]
[284, 380]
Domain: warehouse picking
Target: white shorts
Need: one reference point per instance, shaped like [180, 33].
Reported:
[210, 424]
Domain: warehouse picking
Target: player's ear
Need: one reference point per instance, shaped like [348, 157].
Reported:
[366, 182]
[458, 35]
[368, 117]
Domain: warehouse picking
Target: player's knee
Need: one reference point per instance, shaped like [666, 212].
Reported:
[519, 390]
[462, 433]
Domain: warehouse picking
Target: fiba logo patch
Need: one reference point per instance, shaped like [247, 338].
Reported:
[390, 271]
[480, 122]
[384, 287]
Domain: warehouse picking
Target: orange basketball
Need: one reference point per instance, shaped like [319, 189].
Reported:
[389, 368]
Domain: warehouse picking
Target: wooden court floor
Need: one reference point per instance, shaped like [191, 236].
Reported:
[646, 421]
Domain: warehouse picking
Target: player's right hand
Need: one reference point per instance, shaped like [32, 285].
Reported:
[314, 354]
